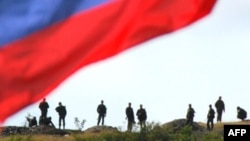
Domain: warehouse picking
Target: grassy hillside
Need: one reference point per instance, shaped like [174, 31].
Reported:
[153, 132]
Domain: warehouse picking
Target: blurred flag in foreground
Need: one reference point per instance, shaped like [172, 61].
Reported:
[42, 42]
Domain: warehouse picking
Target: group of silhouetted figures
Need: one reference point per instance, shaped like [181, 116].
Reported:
[219, 105]
[44, 119]
[141, 115]
[220, 108]
[101, 110]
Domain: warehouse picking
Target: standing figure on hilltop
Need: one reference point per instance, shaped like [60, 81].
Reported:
[130, 117]
[220, 107]
[142, 116]
[190, 115]
[62, 114]
[241, 113]
[44, 108]
[210, 118]
[101, 110]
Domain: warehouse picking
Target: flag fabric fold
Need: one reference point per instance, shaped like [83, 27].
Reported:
[36, 62]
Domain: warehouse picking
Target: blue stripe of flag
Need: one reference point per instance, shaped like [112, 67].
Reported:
[19, 18]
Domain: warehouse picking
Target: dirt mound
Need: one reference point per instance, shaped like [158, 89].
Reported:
[181, 123]
[96, 129]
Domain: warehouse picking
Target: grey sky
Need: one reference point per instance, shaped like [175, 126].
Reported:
[194, 65]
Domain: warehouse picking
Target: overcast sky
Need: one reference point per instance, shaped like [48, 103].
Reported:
[196, 65]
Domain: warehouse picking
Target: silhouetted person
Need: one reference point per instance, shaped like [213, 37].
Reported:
[241, 113]
[142, 116]
[42, 120]
[62, 114]
[130, 117]
[101, 110]
[190, 115]
[47, 121]
[220, 107]
[32, 121]
[44, 108]
[210, 118]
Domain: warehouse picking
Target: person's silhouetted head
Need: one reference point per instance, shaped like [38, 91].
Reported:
[189, 105]
[141, 106]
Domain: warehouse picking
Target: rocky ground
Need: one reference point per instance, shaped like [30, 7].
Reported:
[15, 130]
[47, 130]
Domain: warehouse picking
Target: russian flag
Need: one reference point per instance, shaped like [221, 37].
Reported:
[42, 42]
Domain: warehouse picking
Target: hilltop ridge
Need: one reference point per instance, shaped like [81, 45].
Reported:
[176, 124]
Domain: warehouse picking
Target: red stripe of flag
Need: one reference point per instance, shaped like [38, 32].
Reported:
[33, 66]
